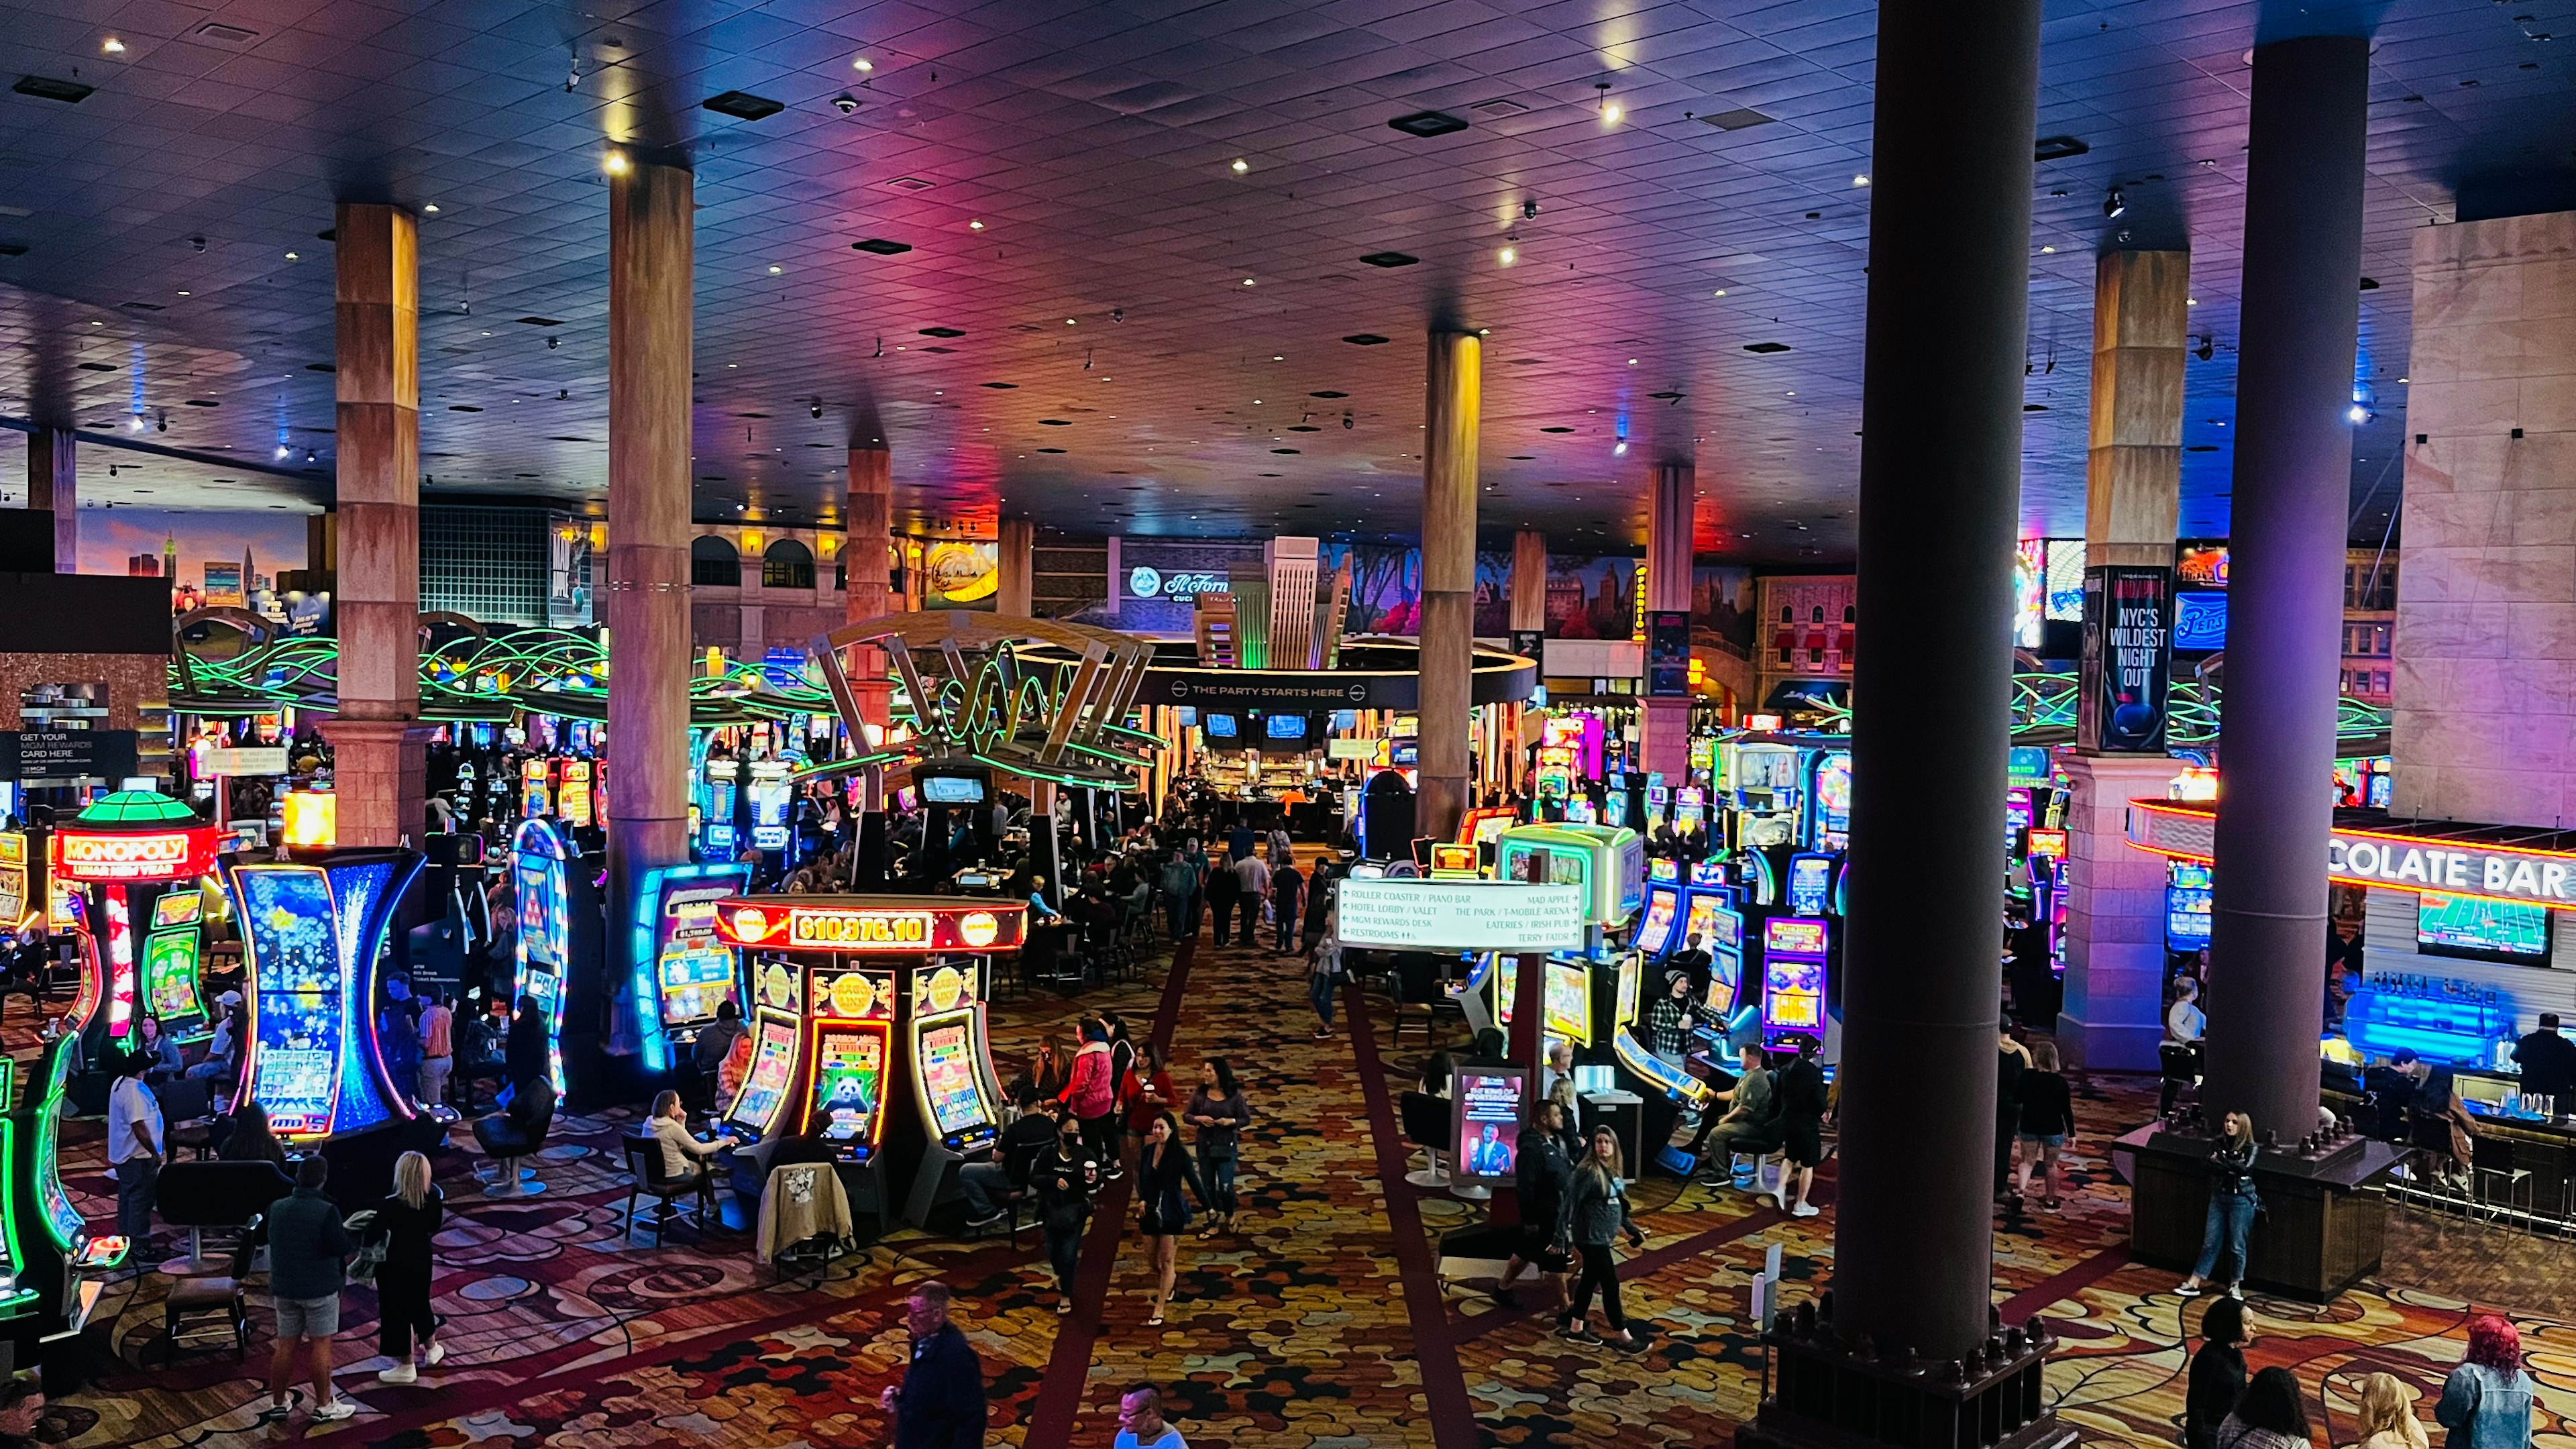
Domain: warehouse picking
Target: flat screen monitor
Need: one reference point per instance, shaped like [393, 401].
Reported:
[1809, 878]
[1488, 1103]
[1218, 726]
[949, 1081]
[1568, 999]
[1655, 930]
[179, 907]
[950, 789]
[773, 1067]
[1725, 977]
[1594, 1077]
[849, 1084]
[2482, 929]
[1702, 922]
[1284, 726]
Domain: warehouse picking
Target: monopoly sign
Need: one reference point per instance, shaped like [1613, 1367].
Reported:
[2384, 858]
[134, 855]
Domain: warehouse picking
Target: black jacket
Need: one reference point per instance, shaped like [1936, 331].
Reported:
[2047, 1107]
[1541, 1176]
[2548, 1063]
[1064, 1184]
[407, 1231]
[942, 1406]
[2217, 1382]
[1159, 1181]
[530, 1053]
[1023, 1143]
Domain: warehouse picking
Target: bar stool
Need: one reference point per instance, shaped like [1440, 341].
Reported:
[2492, 1165]
[2428, 1158]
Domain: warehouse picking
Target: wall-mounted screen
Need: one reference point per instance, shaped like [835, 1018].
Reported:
[2482, 929]
[1284, 726]
[1219, 726]
[951, 789]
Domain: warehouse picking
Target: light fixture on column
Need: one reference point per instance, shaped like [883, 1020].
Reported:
[616, 164]
[818, 407]
[135, 423]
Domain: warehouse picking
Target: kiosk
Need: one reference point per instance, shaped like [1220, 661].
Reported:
[868, 1030]
[110, 869]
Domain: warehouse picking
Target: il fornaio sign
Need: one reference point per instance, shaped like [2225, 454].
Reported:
[2378, 858]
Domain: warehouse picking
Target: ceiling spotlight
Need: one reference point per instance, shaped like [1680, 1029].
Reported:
[2048, 251]
[112, 46]
[845, 103]
[2357, 414]
[292, 257]
[1529, 210]
[551, 343]
[1508, 255]
[2114, 204]
[2208, 348]
[1247, 281]
[163, 425]
[774, 271]
[1610, 114]
[616, 164]
[862, 65]
[818, 407]
[312, 455]
[974, 226]
[1620, 451]
[1072, 322]
[430, 210]
[1720, 292]
[1240, 166]
[1860, 178]
[135, 422]
[281, 450]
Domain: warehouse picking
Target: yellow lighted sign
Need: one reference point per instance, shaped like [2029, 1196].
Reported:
[312, 817]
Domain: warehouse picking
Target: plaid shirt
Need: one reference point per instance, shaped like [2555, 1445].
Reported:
[1664, 1024]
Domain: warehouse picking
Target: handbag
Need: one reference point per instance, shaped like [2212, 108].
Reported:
[371, 1247]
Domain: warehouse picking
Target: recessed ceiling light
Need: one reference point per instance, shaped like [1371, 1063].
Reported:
[1508, 255]
[1278, 357]
[430, 210]
[1720, 292]
[2191, 301]
[774, 271]
[974, 226]
[2047, 251]
[190, 294]
[292, 257]
[1860, 178]
[112, 46]
[1247, 281]
[862, 65]
[616, 164]
[1632, 362]
[1240, 166]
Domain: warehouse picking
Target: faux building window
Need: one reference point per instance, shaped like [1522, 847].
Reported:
[787, 565]
[713, 564]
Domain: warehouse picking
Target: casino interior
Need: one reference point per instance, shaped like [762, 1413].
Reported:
[792, 646]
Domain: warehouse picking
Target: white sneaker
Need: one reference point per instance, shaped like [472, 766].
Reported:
[1805, 1210]
[435, 1352]
[402, 1373]
[335, 1411]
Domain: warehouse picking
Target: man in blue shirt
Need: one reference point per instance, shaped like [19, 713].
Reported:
[1141, 1424]
[941, 1402]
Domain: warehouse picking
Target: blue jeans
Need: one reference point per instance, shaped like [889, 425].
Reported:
[2233, 1215]
[1319, 990]
[1176, 915]
[1064, 1254]
[979, 1181]
[1216, 1165]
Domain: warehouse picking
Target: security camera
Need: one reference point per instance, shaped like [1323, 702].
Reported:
[845, 103]
[2114, 204]
[553, 342]
[1346, 419]
[1529, 210]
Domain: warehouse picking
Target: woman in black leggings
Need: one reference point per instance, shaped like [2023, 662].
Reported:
[1594, 1211]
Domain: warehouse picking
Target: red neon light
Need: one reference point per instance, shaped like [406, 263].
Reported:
[136, 855]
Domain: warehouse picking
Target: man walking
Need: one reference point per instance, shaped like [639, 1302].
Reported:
[941, 1402]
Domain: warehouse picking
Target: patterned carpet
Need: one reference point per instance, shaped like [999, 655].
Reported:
[1320, 1327]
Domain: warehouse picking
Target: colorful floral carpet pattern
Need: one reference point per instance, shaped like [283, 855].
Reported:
[1320, 1326]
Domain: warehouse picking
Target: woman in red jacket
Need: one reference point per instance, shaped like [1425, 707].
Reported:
[1091, 1095]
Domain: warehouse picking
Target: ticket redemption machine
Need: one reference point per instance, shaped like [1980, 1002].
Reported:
[559, 948]
[110, 869]
[313, 934]
[868, 1030]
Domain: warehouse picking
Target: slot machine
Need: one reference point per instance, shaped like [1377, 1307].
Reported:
[572, 798]
[1794, 953]
[536, 794]
[1690, 809]
[559, 946]
[172, 982]
[683, 968]
[312, 937]
[110, 868]
[1828, 802]
[1481, 826]
[869, 1031]
[17, 882]
[771, 798]
[2187, 887]
[1659, 807]
[1656, 936]
[716, 790]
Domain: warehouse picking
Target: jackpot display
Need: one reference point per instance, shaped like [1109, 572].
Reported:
[311, 938]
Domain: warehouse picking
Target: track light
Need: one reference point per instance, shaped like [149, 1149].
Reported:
[2114, 204]
[2206, 350]
[818, 407]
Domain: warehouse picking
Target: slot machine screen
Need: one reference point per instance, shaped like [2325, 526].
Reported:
[949, 1081]
[951, 790]
[180, 906]
[1702, 922]
[295, 1004]
[849, 1085]
[170, 975]
[1793, 973]
[1809, 878]
[2187, 885]
[1568, 1001]
[1656, 931]
[575, 804]
[773, 1065]
[693, 969]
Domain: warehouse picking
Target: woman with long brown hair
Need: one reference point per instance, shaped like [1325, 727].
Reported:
[1594, 1210]
[2232, 1204]
[1163, 1166]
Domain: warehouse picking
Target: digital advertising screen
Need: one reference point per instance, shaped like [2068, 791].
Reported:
[950, 1085]
[1568, 1001]
[951, 789]
[1218, 726]
[2482, 929]
[2200, 621]
[849, 1084]
[1488, 1106]
[1655, 931]
[773, 1066]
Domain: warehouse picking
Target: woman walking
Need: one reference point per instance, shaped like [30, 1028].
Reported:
[2232, 1202]
[2486, 1402]
[2047, 1120]
[1595, 1210]
[1220, 1111]
[1146, 1092]
[1064, 1179]
[409, 1218]
[1162, 1212]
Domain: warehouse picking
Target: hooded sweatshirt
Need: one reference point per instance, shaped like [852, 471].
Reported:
[1093, 1090]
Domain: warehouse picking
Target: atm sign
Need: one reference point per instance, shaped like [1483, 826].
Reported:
[859, 930]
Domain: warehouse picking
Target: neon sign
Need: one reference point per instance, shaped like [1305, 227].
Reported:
[2382, 858]
[135, 855]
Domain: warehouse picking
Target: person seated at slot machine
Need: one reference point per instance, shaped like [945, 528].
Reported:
[1751, 1109]
[1021, 1144]
[707, 1054]
[1668, 1022]
[528, 1052]
[684, 1157]
[223, 1051]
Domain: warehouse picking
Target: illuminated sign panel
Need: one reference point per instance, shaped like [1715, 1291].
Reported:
[779, 923]
[135, 855]
[2384, 858]
[1461, 915]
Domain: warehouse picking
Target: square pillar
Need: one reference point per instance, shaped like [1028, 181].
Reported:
[2115, 917]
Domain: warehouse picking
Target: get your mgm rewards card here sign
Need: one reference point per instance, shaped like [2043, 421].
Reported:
[1429, 915]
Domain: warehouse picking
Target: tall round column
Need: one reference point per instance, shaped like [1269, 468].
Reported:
[650, 258]
[2293, 484]
[1452, 402]
[1940, 485]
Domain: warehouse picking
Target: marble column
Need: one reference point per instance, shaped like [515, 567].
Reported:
[1940, 485]
[1019, 558]
[2115, 917]
[2276, 740]
[53, 481]
[867, 578]
[1453, 401]
[651, 255]
[377, 739]
[1664, 742]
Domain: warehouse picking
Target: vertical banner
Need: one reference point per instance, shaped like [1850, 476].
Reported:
[2127, 660]
[1668, 653]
